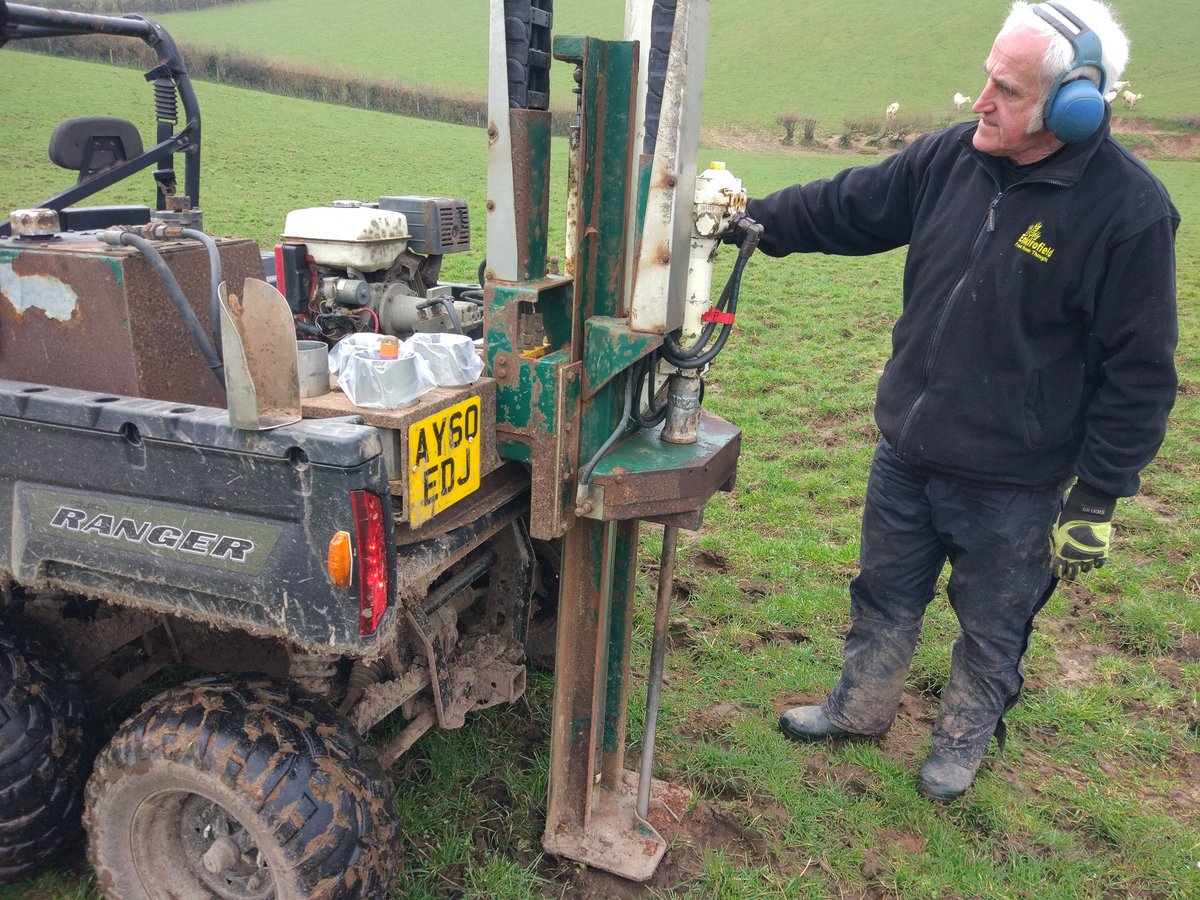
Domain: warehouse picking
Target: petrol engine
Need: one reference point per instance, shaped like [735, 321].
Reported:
[361, 266]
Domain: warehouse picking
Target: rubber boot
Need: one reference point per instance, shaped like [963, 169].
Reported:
[809, 723]
[943, 780]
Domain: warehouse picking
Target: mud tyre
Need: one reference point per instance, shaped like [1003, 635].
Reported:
[240, 790]
[43, 753]
[527, 26]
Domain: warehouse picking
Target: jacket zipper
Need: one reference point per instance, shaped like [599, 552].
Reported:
[988, 226]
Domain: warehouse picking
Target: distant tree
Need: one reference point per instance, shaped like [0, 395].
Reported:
[859, 128]
[788, 122]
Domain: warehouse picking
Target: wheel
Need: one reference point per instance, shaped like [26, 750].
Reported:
[43, 753]
[662, 26]
[527, 49]
[240, 790]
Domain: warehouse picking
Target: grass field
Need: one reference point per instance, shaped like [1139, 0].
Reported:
[1099, 792]
[829, 59]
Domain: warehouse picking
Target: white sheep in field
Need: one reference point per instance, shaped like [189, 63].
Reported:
[892, 111]
[1110, 96]
[1130, 98]
[960, 100]
[1119, 86]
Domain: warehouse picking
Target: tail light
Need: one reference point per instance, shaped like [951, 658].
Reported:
[371, 540]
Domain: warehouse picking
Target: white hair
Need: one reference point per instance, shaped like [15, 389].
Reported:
[1059, 54]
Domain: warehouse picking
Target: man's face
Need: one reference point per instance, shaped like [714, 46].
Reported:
[1012, 99]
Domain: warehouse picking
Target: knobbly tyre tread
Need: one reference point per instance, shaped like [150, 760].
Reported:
[313, 781]
[527, 49]
[662, 27]
[44, 752]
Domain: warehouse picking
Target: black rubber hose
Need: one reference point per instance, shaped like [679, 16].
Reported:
[643, 375]
[693, 357]
[448, 305]
[673, 347]
[214, 272]
[474, 296]
[175, 292]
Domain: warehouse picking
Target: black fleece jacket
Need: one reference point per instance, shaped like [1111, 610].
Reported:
[1038, 330]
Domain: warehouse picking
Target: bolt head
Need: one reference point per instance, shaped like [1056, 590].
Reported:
[29, 223]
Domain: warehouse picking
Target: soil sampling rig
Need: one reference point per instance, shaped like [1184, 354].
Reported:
[189, 491]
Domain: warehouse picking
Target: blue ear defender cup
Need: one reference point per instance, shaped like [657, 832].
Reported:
[1076, 105]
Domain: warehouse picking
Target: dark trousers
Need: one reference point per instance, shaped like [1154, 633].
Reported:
[997, 542]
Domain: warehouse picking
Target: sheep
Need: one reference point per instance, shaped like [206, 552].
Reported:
[960, 100]
[1130, 98]
[1119, 86]
[891, 111]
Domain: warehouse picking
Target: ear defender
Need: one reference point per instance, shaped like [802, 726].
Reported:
[1075, 107]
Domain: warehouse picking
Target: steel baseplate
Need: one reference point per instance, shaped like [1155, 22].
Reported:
[615, 838]
[644, 477]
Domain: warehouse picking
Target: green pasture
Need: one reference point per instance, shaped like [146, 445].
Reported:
[1096, 796]
[831, 60]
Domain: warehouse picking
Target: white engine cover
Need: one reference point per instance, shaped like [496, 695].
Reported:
[358, 236]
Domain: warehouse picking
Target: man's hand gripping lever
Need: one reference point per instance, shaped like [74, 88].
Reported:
[742, 230]
[1080, 539]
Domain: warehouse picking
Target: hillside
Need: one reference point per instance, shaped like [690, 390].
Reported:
[1097, 793]
[826, 59]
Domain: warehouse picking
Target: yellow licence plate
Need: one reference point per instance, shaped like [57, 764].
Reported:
[443, 460]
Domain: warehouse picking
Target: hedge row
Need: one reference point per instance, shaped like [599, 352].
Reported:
[289, 79]
[120, 7]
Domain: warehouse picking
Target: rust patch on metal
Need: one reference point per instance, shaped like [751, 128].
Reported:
[124, 335]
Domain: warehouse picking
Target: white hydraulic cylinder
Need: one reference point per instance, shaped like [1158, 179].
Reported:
[719, 197]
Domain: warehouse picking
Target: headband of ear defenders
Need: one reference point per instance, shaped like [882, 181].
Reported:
[1084, 41]
[1075, 106]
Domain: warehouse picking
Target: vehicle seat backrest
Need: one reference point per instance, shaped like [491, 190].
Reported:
[91, 144]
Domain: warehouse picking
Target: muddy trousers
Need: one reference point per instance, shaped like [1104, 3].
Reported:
[997, 542]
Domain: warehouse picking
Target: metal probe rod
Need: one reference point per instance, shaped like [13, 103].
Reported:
[666, 576]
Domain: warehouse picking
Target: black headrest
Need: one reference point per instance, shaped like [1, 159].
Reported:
[98, 142]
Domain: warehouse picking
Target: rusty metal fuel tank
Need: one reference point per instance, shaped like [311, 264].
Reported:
[77, 313]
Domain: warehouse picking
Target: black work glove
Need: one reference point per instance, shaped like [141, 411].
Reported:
[739, 229]
[1080, 539]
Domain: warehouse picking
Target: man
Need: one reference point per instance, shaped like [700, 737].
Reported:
[1034, 353]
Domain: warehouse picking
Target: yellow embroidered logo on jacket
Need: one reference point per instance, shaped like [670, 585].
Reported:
[1031, 242]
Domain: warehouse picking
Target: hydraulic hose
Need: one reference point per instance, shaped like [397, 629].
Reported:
[473, 296]
[175, 292]
[699, 355]
[702, 341]
[448, 305]
[618, 432]
[214, 271]
[643, 377]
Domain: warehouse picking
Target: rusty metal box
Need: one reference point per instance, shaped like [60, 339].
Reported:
[77, 313]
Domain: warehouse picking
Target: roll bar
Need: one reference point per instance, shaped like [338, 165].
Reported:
[19, 21]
